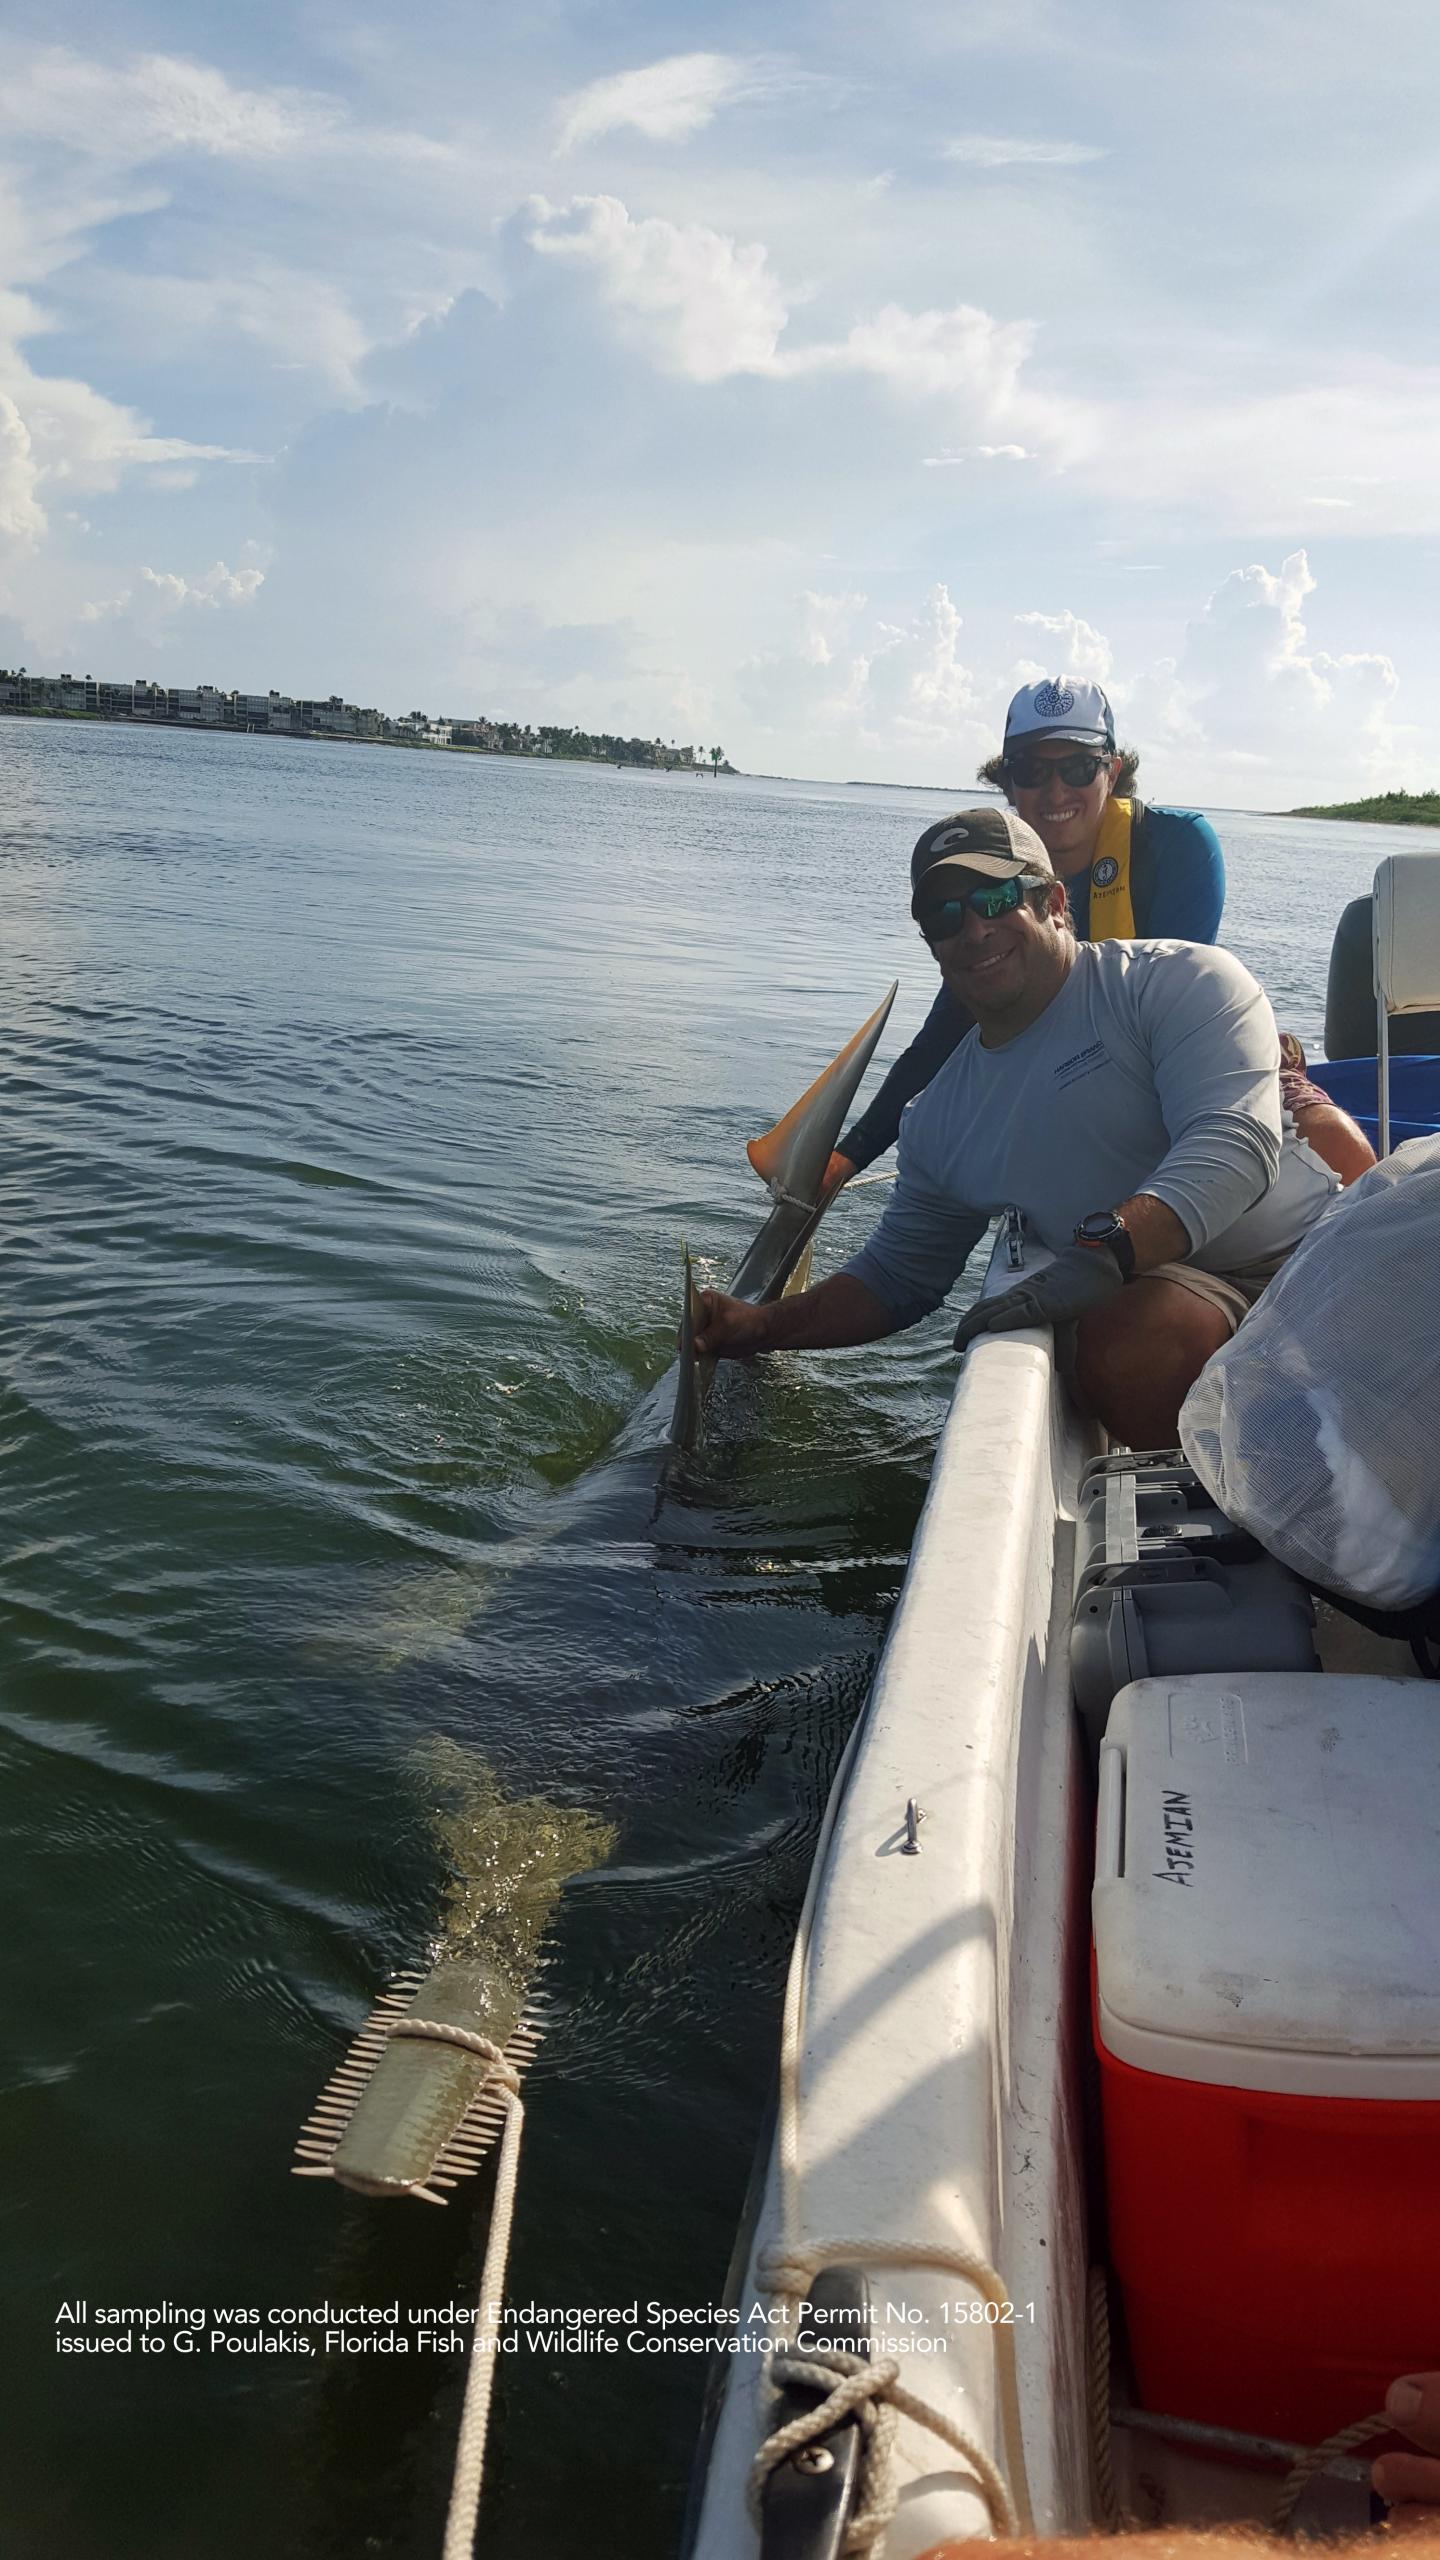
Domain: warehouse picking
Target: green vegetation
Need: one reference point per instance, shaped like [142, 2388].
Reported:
[1387, 808]
[507, 737]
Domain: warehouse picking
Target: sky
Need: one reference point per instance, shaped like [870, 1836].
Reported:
[799, 382]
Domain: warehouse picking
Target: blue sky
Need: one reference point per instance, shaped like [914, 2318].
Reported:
[797, 381]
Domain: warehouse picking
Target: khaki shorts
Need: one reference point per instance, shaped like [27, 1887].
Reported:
[1233, 1292]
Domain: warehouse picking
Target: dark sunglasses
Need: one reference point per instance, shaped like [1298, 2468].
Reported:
[993, 898]
[1031, 773]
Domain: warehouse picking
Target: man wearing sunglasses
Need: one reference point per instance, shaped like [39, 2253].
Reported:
[1124, 1095]
[1127, 869]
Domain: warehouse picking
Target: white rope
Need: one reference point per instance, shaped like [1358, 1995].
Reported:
[475, 2414]
[787, 2270]
[853, 2386]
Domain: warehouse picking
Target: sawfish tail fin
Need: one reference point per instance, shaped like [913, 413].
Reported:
[791, 1158]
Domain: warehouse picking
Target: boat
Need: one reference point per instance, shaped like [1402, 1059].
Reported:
[935, 2199]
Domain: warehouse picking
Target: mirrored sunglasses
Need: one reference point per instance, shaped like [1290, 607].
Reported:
[942, 921]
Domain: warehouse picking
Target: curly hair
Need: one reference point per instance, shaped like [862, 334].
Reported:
[993, 771]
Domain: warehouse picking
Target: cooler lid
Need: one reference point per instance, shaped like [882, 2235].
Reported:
[1267, 1882]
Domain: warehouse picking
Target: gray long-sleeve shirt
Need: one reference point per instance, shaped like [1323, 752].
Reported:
[1157, 1069]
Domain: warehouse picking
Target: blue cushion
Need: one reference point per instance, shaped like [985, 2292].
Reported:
[1414, 1094]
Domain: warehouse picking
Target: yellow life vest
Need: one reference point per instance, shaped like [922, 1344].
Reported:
[1112, 913]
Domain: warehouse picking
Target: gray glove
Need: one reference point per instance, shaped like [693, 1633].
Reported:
[1083, 1276]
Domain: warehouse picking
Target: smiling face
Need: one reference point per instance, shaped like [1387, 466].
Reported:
[1006, 971]
[1065, 815]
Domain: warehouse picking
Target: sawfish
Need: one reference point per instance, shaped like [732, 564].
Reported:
[406, 2115]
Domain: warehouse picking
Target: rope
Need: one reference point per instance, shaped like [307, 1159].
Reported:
[475, 2413]
[853, 2387]
[1319, 2459]
[1297, 2479]
[786, 2274]
[1098, 2400]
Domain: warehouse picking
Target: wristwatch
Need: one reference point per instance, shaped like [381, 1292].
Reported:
[1107, 1227]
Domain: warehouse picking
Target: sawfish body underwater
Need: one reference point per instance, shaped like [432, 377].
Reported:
[408, 2111]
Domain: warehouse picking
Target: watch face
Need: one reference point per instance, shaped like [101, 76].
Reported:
[1099, 1227]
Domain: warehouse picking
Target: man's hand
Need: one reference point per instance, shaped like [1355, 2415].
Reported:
[838, 1171]
[728, 1329]
[1412, 2479]
[1081, 1277]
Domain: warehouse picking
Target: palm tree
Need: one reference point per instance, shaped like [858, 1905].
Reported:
[717, 758]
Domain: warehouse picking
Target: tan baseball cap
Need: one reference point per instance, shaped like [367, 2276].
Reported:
[993, 842]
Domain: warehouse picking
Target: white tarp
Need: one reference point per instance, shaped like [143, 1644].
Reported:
[1317, 1428]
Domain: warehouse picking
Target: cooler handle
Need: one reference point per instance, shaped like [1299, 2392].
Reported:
[1110, 1820]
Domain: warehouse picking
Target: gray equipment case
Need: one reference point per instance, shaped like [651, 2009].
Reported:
[1166, 1584]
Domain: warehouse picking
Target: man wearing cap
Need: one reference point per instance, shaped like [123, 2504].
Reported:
[1124, 1095]
[1128, 869]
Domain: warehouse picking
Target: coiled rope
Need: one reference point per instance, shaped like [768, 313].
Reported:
[475, 2412]
[853, 2386]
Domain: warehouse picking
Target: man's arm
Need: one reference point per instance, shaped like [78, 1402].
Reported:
[830, 1317]
[942, 1030]
[1188, 894]
[1082, 1276]
[912, 1260]
[1215, 1055]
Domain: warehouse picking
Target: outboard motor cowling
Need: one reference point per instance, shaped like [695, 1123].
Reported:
[1350, 996]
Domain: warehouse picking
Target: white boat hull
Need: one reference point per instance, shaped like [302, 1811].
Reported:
[940, 2080]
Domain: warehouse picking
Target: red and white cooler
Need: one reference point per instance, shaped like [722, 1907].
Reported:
[1267, 2019]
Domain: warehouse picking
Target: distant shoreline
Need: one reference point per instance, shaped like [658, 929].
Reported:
[343, 738]
[950, 790]
[1385, 809]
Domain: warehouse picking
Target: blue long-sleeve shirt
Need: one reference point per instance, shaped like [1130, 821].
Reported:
[1185, 871]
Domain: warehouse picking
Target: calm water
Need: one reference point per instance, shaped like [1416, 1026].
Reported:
[357, 1105]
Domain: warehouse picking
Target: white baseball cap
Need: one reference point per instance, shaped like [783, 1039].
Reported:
[1061, 707]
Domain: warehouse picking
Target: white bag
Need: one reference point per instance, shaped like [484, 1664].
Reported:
[1317, 1428]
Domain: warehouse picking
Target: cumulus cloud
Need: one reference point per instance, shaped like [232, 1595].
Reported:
[1247, 711]
[1001, 151]
[897, 689]
[1249, 697]
[696, 301]
[701, 304]
[1077, 649]
[56, 431]
[928, 353]
[667, 101]
[217, 586]
[22, 518]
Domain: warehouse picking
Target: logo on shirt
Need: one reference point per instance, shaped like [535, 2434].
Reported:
[1081, 1062]
[1104, 872]
[1052, 704]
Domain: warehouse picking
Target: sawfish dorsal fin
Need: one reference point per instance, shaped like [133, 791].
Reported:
[791, 1158]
